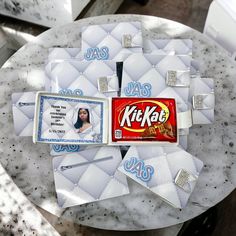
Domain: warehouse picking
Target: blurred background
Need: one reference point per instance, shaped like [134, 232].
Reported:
[22, 20]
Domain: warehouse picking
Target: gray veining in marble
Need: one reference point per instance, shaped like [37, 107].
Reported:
[31, 167]
[18, 215]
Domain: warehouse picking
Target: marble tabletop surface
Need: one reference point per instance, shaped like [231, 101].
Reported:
[30, 165]
[18, 215]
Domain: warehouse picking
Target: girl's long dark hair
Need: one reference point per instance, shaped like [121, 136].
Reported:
[79, 122]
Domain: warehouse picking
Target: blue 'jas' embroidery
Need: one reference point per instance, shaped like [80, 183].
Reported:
[138, 167]
[77, 92]
[66, 148]
[136, 89]
[97, 53]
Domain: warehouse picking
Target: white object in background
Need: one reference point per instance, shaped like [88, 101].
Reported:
[6, 49]
[221, 23]
[48, 13]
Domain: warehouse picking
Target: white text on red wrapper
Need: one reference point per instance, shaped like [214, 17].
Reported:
[132, 114]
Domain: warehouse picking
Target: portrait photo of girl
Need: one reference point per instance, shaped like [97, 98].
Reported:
[85, 125]
[83, 121]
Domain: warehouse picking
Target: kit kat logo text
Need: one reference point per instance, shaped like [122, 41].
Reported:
[139, 115]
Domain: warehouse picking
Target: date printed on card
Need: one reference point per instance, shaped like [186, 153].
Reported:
[69, 120]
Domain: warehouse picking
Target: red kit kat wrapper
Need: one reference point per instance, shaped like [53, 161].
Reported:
[144, 119]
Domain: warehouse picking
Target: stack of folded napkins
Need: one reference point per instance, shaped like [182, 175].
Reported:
[115, 60]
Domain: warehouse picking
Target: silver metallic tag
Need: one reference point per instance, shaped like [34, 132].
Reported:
[108, 84]
[183, 180]
[127, 41]
[178, 78]
[203, 101]
[171, 78]
[103, 84]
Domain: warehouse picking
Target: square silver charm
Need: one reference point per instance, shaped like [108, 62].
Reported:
[127, 41]
[183, 180]
[202, 101]
[171, 78]
[178, 78]
[198, 101]
[103, 84]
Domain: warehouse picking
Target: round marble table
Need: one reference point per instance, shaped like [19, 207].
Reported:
[31, 165]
